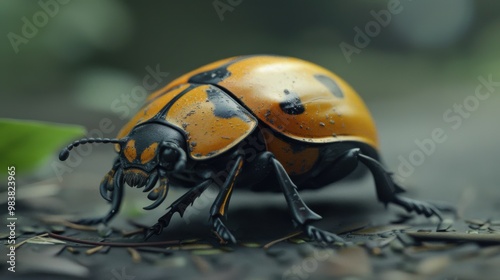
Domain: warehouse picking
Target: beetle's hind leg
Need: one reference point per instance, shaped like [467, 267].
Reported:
[387, 189]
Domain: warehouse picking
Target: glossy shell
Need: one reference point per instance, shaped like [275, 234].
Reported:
[295, 98]
[211, 120]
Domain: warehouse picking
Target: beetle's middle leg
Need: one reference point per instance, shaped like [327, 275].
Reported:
[218, 211]
[302, 216]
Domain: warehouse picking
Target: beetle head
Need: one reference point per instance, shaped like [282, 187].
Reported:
[146, 155]
[149, 147]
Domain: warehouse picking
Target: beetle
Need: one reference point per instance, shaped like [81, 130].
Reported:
[260, 122]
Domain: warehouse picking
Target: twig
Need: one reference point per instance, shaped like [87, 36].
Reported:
[94, 250]
[136, 257]
[221, 240]
[133, 232]
[34, 237]
[114, 244]
[453, 236]
[268, 245]
[59, 221]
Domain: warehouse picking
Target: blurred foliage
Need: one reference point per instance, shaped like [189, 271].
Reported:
[126, 36]
[29, 143]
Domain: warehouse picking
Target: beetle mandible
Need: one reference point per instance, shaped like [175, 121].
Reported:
[262, 122]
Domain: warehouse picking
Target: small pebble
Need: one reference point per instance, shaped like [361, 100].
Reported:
[57, 229]
[445, 225]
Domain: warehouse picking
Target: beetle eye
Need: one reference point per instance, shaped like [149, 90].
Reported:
[169, 157]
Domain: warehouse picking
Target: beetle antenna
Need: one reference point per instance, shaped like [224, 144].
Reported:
[65, 152]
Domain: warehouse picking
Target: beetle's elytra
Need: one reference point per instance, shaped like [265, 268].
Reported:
[267, 123]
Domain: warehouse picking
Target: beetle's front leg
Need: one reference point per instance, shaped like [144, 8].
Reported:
[218, 211]
[116, 200]
[180, 206]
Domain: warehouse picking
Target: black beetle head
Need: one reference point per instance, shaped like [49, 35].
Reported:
[151, 145]
[148, 146]
[146, 156]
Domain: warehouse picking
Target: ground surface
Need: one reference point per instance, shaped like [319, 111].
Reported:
[462, 171]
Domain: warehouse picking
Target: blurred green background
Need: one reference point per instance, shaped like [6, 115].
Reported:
[78, 63]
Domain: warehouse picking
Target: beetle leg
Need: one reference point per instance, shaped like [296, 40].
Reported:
[107, 182]
[387, 189]
[159, 194]
[180, 206]
[302, 216]
[300, 212]
[219, 207]
[117, 196]
[151, 182]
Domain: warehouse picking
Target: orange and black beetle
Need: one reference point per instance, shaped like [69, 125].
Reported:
[267, 123]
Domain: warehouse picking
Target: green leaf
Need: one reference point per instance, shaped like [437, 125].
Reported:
[26, 144]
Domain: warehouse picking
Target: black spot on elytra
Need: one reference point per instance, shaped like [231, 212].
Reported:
[224, 106]
[330, 84]
[211, 77]
[216, 75]
[292, 104]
